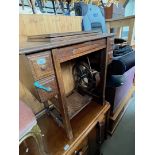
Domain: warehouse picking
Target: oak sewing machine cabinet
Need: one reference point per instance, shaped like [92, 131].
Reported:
[66, 72]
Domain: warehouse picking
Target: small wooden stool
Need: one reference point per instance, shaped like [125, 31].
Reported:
[28, 126]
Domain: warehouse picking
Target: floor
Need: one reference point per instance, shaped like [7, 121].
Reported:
[123, 140]
[121, 143]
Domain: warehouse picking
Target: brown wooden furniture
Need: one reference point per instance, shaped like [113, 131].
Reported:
[46, 63]
[108, 12]
[119, 23]
[115, 118]
[87, 138]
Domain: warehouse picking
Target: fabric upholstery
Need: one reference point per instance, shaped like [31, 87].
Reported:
[27, 119]
[122, 64]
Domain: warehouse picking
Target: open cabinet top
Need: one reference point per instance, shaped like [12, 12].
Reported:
[49, 41]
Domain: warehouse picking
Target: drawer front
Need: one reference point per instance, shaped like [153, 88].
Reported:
[41, 65]
[49, 82]
[73, 51]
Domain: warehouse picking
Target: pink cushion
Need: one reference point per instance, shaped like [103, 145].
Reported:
[26, 119]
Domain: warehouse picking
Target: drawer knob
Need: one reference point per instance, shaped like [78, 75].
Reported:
[78, 152]
[43, 67]
[38, 85]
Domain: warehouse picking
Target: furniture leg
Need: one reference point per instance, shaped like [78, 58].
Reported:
[68, 7]
[101, 126]
[119, 32]
[36, 134]
[22, 1]
[131, 30]
[41, 5]
[39, 139]
[54, 7]
[32, 2]
[55, 115]
[62, 6]
[25, 144]
[107, 124]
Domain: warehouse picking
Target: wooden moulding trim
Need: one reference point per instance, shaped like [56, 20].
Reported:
[120, 117]
[120, 18]
[53, 35]
[81, 54]
[123, 103]
[106, 65]
[61, 38]
[47, 46]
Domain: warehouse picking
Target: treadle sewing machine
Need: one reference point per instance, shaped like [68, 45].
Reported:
[66, 70]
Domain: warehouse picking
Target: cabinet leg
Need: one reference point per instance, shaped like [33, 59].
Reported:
[59, 120]
[46, 105]
[107, 124]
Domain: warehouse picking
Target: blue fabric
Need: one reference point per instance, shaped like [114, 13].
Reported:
[93, 15]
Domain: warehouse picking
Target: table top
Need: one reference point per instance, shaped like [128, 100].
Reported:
[82, 124]
[49, 41]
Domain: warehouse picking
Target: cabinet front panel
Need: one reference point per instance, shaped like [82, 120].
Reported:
[41, 65]
[51, 84]
[74, 51]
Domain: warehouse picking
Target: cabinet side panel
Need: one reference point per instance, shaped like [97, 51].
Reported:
[67, 76]
[26, 79]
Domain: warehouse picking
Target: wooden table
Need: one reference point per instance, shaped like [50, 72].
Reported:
[44, 59]
[86, 138]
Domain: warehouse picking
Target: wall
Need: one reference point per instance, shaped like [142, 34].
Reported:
[40, 24]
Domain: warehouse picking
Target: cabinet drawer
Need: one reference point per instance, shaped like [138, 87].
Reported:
[41, 65]
[74, 51]
[49, 82]
[82, 148]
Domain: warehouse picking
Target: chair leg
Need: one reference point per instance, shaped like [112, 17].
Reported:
[39, 139]
[27, 149]
[32, 5]
[22, 1]
[36, 134]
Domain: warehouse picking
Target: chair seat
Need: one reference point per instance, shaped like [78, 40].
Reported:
[27, 119]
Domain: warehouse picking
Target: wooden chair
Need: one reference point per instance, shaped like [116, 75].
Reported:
[31, 4]
[119, 23]
[28, 127]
